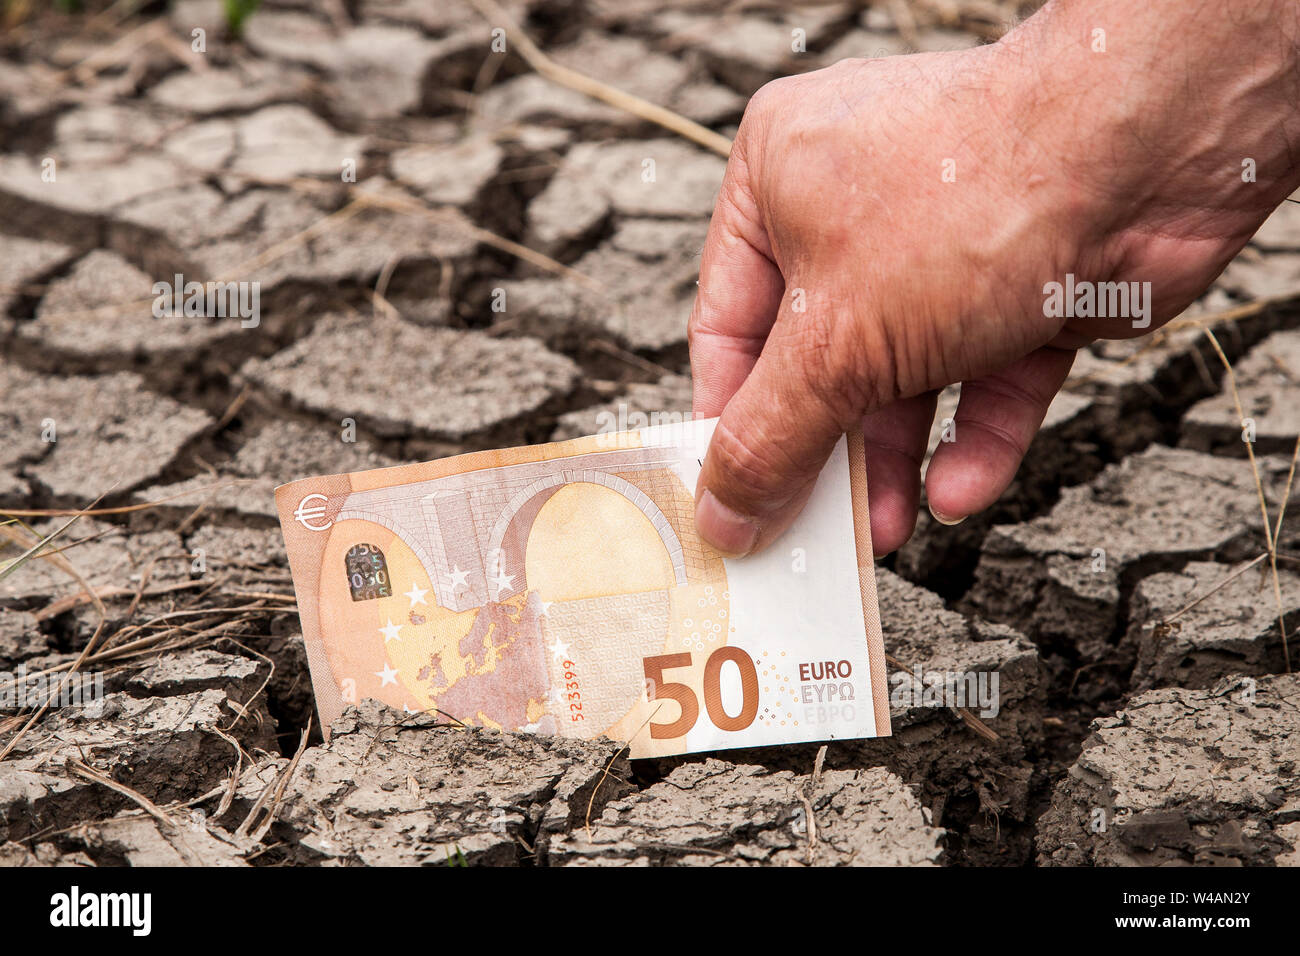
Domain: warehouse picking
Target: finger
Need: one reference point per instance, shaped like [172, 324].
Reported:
[896, 438]
[739, 295]
[997, 418]
[770, 444]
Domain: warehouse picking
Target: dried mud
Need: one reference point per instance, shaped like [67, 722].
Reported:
[1130, 728]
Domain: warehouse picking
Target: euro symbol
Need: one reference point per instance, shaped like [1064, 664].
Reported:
[306, 515]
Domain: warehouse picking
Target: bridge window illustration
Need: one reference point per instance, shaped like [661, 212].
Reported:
[616, 540]
[367, 572]
[519, 573]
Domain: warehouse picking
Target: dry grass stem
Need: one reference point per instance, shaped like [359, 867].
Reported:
[611, 95]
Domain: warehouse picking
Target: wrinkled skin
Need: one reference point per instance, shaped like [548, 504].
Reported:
[844, 280]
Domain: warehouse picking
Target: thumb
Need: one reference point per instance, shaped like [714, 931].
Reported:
[770, 444]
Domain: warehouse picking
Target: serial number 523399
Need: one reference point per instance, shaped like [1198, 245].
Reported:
[572, 693]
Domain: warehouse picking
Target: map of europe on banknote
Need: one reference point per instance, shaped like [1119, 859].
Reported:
[562, 589]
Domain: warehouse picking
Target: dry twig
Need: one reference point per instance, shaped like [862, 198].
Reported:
[563, 75]
[1270, 540]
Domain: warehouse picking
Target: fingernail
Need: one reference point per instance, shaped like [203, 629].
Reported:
[943, 519]
[725, 530]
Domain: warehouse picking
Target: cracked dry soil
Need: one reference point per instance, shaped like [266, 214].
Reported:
[1174, 727]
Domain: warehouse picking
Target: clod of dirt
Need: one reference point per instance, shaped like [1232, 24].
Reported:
[87, 188]
[648, 269]
[659, 177]
[134, 839]
[249, 558]
[354, 248]
[238, 677]
[159, 230]
[744, 51]
[253, 560]
[444, 383]
[23, 263]
[164, 747]
[102, 311]
[242, 87]
[372, 71]
[279, 451]
[1255, 276]
[293, 36]
[976, 786]
[45, 854]
[1281, 230]
[719, 814]
[1181, 776]
[83, 436]
[394, 789]
[434, 18]
[196, 232]
[1268, 384]
[1232, 631]
[448, 173]
[20, 637]
[105, 555]
[280, 142]
[1064, 578]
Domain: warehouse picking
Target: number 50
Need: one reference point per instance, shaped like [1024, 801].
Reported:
[685, 697]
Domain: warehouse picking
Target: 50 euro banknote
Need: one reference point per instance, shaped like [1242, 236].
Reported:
[562, 589]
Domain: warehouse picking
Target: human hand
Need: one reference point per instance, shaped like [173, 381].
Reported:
[887, 227]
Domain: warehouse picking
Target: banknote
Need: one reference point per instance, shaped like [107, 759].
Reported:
[562, 589]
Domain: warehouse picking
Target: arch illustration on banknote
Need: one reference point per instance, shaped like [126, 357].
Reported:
[534, 592]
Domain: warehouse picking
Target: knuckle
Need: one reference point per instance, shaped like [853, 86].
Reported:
[826, 358]
[736, 211]
[764, 112]
[750, 474]
[1012, 444]
[767, 96]
[894, 359]
[1008, 391]
[693, 328]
